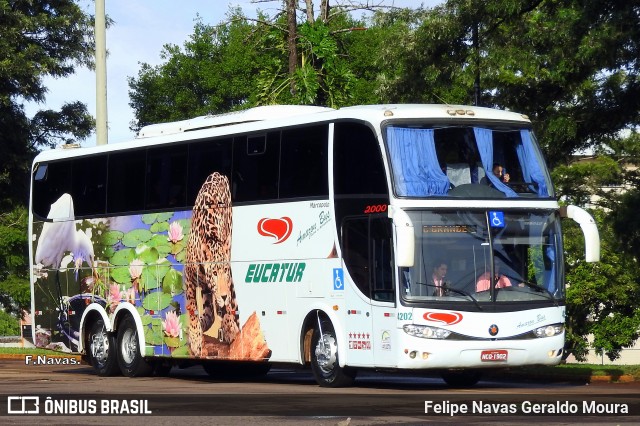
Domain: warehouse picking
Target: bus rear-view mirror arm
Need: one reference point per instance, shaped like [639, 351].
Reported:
[405, 237]
[589, 229]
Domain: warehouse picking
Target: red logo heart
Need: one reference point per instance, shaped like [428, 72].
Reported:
[448, 318]
[280, 229]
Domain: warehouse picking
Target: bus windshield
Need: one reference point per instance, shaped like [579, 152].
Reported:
[463, 161]
[484, 256]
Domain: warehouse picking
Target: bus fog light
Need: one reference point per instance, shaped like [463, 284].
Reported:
[552, 353]
[549, 330]
[413, 354]
[425, 355]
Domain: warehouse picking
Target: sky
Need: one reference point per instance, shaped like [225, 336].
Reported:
[139, 31]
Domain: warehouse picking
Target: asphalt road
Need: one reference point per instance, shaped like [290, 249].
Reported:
[290, 396]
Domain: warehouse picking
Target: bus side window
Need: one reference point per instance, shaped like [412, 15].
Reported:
[126, 182]
[303, 157]
[89, 185]
[206, 157]
[255, 167]
[166, 177]
[50, 182]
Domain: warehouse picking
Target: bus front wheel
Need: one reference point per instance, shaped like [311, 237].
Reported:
[324, 359]
[102, 350]
[130, 358]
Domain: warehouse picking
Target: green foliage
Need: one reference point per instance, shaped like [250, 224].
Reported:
[14, 264]
[601, 297]
[9, 325]
[213, 73]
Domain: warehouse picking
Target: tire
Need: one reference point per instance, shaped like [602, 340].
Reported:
[461, 378]
[101, 348]
[130, 359]
[324, 360]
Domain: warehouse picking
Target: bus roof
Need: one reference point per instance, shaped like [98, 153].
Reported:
[274, 116]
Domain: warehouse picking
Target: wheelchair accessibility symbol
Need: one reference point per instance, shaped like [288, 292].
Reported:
[338, 279]
[496, 219]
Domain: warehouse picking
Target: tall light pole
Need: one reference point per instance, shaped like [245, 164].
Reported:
[101, 74]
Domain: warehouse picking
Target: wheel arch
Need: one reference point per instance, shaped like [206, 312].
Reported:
[93, 312]
[310, 323]
[127, 309]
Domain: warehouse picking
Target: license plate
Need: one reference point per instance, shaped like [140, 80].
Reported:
[499, 355]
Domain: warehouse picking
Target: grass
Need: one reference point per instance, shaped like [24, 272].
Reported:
[574, 372]
[27, 351]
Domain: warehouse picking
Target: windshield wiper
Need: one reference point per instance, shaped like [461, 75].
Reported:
[535, 288]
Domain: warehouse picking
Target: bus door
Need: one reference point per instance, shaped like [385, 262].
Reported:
[368, 260]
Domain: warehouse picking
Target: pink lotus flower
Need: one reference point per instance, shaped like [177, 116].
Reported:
[114, 296]
[135, 268]
[171, 325]
[175, 232]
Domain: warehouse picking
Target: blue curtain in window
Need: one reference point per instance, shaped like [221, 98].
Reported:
[531, 170]
[414, 162]
[551, 277]
[484, 140]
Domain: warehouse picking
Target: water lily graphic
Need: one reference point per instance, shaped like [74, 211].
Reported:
[175, 232]
[171, 325]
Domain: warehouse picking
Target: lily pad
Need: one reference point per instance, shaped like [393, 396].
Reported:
[123, 257]
[181, 352]
[136, 237]
[159, 227]
[149, 280]
[110, 238]
[121, 275]
[156, 301]
[172, 282]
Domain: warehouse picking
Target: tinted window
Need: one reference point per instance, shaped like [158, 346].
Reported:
[89, 185]
[205, 158]
[255, 167]
[166, 177]
[303, 171]
[357, 162]
[126, 181]
[54, 180]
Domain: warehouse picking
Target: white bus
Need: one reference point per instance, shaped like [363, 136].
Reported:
[369, 237]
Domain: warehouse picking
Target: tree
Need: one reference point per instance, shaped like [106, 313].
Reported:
[601, 297]
[14, 262]
[212, 74]
[571, 65]
[38, 38]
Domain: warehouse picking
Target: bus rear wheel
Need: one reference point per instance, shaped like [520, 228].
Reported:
[324, 359]
[102, 350]
[130, 359]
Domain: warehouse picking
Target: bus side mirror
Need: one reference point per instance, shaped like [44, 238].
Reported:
[589, 229]
[405, 238]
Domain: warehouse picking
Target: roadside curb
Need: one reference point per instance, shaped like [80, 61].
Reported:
[22, 356]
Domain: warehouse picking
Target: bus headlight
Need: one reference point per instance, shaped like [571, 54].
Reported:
[425, 331]
[549, 330]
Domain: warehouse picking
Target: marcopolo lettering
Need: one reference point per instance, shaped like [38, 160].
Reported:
[275, 272]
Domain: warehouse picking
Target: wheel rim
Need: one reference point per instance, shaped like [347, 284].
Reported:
[327, 353]
[129, 346]
[100, 346]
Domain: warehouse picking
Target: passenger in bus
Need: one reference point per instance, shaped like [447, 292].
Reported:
[484, 281]
[498, 171]
[437, 278]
